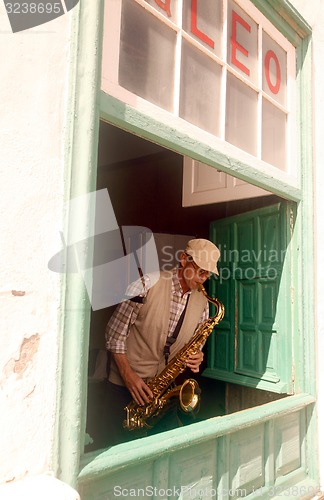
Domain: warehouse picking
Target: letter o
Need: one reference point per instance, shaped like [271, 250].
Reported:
[271, 55]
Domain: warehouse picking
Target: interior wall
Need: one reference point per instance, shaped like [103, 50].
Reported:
[148, 192]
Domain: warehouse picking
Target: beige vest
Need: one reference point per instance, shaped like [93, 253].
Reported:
[148, 334]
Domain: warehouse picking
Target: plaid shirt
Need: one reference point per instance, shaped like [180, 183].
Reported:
[126, 313]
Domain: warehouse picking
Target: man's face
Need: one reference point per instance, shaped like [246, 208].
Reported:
[191, 273]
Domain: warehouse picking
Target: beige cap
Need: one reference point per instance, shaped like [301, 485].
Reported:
[204, 253]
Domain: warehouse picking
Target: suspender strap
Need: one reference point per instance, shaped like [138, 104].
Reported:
[172, 338]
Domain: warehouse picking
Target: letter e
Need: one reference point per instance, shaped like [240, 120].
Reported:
[236, 45]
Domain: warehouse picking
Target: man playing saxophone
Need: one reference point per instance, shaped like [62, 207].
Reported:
[143, 334]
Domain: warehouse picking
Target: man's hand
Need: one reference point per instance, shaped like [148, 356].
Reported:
[140, 392]
[194, 361]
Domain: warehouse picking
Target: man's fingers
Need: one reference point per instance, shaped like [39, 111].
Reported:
[193, 367]
[142, 393]
[148, 391]
[198, 356]
[138, 398]
[194, 361]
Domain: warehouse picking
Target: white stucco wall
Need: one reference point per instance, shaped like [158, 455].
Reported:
[313, 13]
[33, 96]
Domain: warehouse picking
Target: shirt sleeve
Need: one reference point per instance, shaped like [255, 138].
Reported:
[117, 329]
[205, 314]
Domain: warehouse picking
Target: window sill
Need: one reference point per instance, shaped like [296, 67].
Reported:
[100, 463]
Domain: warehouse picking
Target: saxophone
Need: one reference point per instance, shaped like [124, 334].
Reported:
[138, 416]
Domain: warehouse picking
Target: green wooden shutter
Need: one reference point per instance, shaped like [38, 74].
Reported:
[252, 345]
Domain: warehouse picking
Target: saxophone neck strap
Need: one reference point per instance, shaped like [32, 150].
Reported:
[140, 299]
[172, 338]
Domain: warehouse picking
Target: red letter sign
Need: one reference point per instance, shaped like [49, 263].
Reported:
[165, 6]
[271, 55]
[194, 28]
[236, 45]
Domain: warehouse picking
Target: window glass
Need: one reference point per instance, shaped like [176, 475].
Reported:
[241, 115]
[200, 89]
[242, 43]
[203, 20]
[273, 135]
[147, 56]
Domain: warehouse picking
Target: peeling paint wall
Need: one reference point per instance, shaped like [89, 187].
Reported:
[33, 95]
[27, 351]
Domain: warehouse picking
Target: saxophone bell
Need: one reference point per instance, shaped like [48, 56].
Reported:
[186, 396]
[189, 395]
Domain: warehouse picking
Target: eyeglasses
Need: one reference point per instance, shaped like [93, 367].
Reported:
[198, 270]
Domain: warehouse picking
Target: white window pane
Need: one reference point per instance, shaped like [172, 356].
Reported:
[203, 20]
[242, 43]
[273, 135]
[274, 71]
[169, 8]
[200, 89]
[147, 56]
[241, 115]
